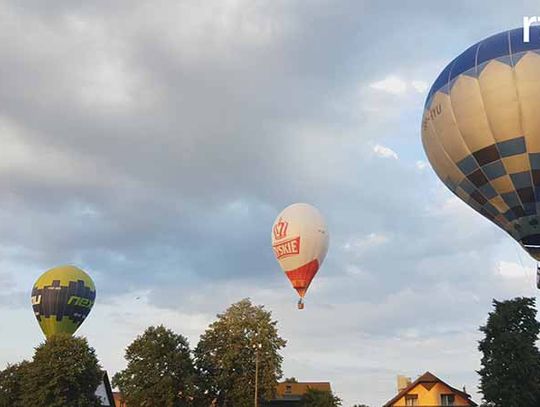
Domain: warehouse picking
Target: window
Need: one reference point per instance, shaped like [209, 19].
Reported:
[448, 399]
[288, 389]
[411, 400]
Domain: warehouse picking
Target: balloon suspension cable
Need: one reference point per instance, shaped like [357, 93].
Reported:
[301, 303]
[538, 275]
[517, 248]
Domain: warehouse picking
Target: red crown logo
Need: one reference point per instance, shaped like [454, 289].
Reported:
[280, 229]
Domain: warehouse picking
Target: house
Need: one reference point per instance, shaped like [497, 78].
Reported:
[290, 392]
[118, 399]
[429, 391]
[104, 392]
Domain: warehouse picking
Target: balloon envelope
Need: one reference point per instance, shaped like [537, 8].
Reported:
[62, 298]
[300, 243]
[481, 132]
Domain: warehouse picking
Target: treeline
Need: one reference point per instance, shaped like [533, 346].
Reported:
[162, 370]
[220, 370]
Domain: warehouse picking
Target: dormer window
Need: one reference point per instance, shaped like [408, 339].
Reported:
[448, 400]
[411, 400]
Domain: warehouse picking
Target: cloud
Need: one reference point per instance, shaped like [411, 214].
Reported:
[421, 165]
[391, 84]
[394, 85]
[511, 271]
[366, 242]
[420, 86]
[384, 152]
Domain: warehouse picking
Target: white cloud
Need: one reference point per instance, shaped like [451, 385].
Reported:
[214, 28]
[391, 84]
[384, 152]
[22, 157]
[421, 165]
[395, 85]
[450, 206]
[356, 271]
[509, 270]
[366, 242]
[419, 86]
[107, 84]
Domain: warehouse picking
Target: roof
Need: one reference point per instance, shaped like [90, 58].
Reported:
[506, 47]
[428, 379]
[298, 389]
[283, 403]
[104, 392]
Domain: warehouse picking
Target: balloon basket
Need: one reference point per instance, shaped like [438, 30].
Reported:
[300, 304]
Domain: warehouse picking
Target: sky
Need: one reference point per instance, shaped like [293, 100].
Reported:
[153, 144]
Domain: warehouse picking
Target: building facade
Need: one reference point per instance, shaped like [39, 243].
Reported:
[104, 392]
[429, 391]
[290, 393]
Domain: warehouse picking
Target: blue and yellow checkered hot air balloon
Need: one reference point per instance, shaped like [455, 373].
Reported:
[62, 298]
[481, 132]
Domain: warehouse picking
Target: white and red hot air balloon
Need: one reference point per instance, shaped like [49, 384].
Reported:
[300, 243]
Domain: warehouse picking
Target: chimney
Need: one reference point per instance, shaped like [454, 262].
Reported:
[402, 382]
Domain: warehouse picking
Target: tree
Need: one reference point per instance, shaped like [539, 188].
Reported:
[11, 379]
[159, 371]
[228, 352]
[64, 372]
[319, 398]
[510, 373]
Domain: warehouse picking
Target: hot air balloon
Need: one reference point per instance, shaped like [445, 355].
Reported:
[481, 132]
[300, 243]
[62, 298]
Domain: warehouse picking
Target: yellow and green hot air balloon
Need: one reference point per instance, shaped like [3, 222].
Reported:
[62, 298]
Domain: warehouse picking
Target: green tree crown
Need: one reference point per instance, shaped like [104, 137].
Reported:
[319, 398]
[159, 370]
[11, 379]
[64, 372]
[510, 373]
[227, 353]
